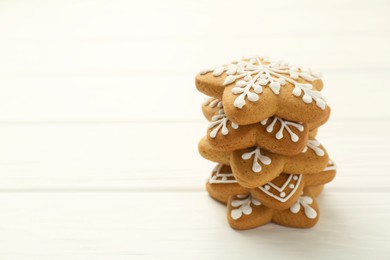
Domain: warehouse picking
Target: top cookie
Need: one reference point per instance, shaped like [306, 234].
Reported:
[253, 89]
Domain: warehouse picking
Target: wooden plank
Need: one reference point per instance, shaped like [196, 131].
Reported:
[41, 37]
[162, 97]
[167, 56]
[162, 156]
[140, 225]
[193, 19]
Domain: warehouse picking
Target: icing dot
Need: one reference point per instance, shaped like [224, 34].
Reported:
[224, 178]
[267, 187]
[295, 178]
[263, 82]
[291, 186]
[282, 194]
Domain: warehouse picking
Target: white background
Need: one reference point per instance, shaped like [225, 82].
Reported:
[100, 118]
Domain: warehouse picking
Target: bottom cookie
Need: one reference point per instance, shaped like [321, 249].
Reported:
[246, 212]
[285, 201]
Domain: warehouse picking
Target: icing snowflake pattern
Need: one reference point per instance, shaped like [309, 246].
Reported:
[213, 102]
[305, 201]
[332, 166]
[283, 125]
[242, 203]
[219, 122]
[221, 178]
[257, 156]
[257, 72]
[315, 146]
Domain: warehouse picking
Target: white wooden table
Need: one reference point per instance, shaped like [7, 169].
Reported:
[90, 170]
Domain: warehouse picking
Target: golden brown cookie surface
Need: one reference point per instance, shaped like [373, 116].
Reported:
[222, 184]
[253, 167]
[255, 88]
[246, 212]
[304, 213]
[287, 200]
[274, 134]
[279, 194]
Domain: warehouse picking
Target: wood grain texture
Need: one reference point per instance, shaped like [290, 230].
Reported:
[110, 20]
[102, 60]
[128, 97]
[162, 156]
[100, 119]
[174, 225]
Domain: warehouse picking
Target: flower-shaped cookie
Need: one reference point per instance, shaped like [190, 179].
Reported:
[274, 134]
[279, 194]
[253, 89]
[246, 212]
[288, 200]
[254, 166]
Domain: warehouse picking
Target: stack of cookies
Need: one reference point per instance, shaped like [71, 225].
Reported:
[264, 117]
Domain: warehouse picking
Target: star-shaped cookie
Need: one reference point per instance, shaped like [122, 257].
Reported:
[255, 88]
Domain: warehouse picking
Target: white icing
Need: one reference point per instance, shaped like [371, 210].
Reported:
[331, 166]
[219, 122]
[213, 102]
[305, 201]
[257, 156]
[315, 146]
[221, 178]
[252, 74]
[283, 125]
[242, 205]
[282, 193]
[309, 94]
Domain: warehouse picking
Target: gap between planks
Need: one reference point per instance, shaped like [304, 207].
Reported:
[171, 190]
[153, 121]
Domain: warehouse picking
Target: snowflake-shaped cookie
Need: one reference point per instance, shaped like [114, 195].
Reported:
[263, 87]
[288, 199]
[274, 134]
[245, 212]
[279, 194]
[255, 166]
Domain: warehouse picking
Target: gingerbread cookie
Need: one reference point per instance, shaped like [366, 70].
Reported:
[282, 192]
[222, 184]
[253, 166]
[273, 134]
[256, 88]
[279, 194]
[325, 176]
[212, 105]
[246, 212]
[303, 214]
[316, 190]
